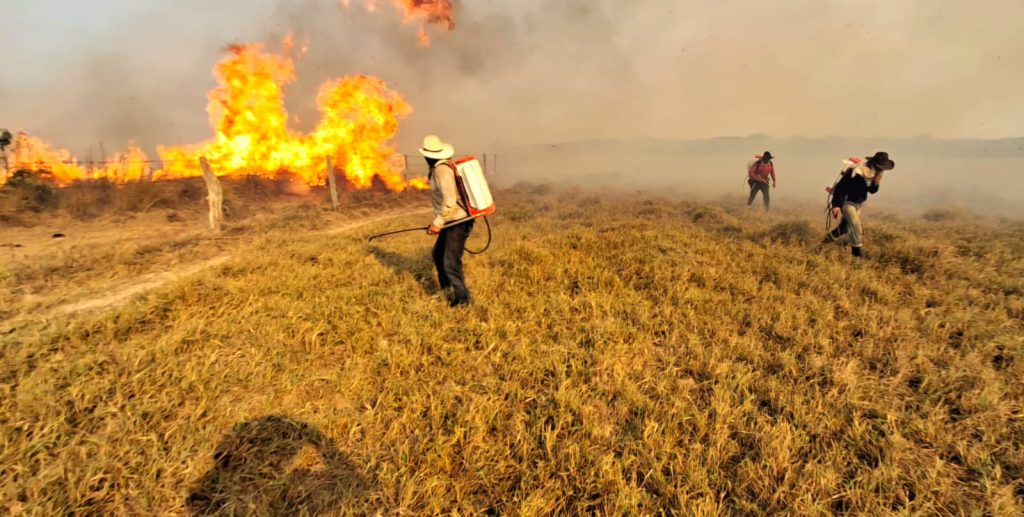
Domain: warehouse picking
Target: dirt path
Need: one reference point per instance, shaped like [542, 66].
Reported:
[123, 291]
[120, 294]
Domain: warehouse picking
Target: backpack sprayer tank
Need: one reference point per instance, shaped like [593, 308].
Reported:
[473, 187]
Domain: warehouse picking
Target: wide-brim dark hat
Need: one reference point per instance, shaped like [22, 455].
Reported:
[765, 155]
[881, 161]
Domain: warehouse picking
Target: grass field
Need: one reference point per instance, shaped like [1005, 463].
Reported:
[625, 355]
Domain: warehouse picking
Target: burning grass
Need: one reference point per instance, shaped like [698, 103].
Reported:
[359, 118]
[625, 356]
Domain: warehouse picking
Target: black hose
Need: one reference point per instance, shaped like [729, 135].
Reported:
[828, 204]
[449, 225]
[407, 230]
[828, 213]
[488, 245]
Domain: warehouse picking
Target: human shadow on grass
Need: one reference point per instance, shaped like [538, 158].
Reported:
[275, 466]
[422, 268]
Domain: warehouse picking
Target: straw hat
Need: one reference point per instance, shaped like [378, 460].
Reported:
[434, 147]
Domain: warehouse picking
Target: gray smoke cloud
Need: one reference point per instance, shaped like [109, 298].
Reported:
[562, 70]
[522, 73]
[500, 77]
[552, 70]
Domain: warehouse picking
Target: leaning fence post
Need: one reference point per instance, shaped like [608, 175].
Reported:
[215, 195]
[332, 184]
[5, 140]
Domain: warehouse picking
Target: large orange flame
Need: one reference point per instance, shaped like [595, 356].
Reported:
[359, 116]
[251, 135]
[248, 118]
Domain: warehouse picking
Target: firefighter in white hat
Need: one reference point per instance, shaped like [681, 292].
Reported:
[451, 238]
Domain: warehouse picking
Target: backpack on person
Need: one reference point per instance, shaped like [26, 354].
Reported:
[474, 192]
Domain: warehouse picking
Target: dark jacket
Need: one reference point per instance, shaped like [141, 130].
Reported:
[852, 188]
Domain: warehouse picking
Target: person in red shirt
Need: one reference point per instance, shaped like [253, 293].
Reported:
[758, 173]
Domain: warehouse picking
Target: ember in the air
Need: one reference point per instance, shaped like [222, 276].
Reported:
[424, 12]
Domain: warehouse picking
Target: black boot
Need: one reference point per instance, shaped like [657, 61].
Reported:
[457, 301]
[856, 252]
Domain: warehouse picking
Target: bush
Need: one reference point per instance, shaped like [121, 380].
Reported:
[26, 191]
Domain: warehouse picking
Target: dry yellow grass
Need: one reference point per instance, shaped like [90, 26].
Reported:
[625, 356]
[137, 231]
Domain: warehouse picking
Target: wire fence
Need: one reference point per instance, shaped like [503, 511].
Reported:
[409, 166]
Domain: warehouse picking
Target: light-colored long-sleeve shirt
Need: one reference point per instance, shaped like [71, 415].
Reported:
[444, 195]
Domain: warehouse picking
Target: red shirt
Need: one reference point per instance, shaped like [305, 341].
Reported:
[761, 171]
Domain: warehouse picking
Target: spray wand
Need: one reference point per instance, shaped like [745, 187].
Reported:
[449, 225]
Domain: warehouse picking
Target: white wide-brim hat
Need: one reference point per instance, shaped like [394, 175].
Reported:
[434, 147]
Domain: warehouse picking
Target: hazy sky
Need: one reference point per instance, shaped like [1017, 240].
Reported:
[527, 71]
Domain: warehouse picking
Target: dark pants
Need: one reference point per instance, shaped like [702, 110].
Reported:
[757, 186]
[448, 250]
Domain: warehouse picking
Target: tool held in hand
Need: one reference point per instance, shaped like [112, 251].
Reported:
[474, 194]
[848, 164]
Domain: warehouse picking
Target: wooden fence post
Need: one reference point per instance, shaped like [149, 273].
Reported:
[215, 195]
[6, 139]
[333, 184]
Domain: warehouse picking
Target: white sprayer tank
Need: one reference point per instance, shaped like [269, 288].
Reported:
[474, 188]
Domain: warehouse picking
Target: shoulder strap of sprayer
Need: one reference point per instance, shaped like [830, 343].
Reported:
[459, 187]
[755, 168]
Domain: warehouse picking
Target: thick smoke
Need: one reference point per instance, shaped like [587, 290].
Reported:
[516, 76]
[538, 71]
[504, 75]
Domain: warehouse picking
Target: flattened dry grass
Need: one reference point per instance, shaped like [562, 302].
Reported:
[38, 273]
[625, 356]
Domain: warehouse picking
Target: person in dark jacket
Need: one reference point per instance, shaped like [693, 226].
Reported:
[758, 173]
[850, 193]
